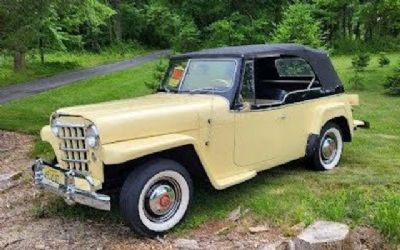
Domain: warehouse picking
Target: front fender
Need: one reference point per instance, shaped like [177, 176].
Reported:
[120, 152]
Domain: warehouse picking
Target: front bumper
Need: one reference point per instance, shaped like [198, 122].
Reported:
[68, 189]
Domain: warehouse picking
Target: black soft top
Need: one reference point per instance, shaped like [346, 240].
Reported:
[317, 59]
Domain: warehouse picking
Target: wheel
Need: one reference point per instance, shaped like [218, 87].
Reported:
[330, 147]
[155, 197]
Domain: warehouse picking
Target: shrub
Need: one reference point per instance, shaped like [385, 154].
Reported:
[392, 83]
[158, 75]
[298, 26]
[383, 59]
[360, 61]
[356, 81]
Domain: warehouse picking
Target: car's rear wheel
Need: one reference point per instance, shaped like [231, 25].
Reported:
[330, 147]
[155, 197]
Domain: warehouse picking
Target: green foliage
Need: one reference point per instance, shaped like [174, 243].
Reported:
[356, 81]
[188, 37]
[383, 59]
[158, 75]
[392, 83]
[157, 25]
[236, 29]
[39, 212]
[298, 26]
[360, 61]
[342, 26]
[48, 23]
[53, 21]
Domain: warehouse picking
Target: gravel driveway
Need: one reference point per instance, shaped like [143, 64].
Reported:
[21, 229]
[36, 86]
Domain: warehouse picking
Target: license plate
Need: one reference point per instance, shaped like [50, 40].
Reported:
[54, 175]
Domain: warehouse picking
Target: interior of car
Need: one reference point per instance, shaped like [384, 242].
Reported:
[278, 78]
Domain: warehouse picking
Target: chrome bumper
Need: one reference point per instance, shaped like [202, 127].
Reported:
[68, 191]
[361, 124]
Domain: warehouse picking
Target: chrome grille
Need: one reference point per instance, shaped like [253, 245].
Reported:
[75, 150]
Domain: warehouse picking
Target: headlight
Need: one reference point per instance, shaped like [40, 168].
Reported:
[92, 136]
[55, 125]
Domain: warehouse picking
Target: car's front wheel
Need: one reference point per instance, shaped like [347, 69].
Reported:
[330, 147]
[155, 197]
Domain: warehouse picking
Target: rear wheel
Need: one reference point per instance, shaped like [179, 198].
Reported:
[330, 147]
[155, 197]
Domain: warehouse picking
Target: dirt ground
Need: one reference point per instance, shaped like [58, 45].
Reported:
[20, 229]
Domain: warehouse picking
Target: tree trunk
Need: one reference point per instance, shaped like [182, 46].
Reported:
[117, 20]
[344, 23]
[19, 61]
[357, 31]
[41, 50]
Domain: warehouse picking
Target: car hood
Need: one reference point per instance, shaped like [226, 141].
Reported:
[145, 116]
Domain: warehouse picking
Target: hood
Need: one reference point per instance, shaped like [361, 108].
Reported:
[151, 115]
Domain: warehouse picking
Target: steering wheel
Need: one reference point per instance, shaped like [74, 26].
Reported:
[222, 81]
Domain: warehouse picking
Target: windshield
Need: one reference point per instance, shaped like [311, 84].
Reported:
[200, 75]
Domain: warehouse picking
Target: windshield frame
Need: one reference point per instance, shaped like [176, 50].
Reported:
[230, 94]
[206, 89]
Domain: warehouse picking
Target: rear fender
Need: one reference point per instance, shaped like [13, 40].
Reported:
[325, 113]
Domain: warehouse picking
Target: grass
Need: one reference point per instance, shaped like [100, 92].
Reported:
[58, 62]
[364, 190]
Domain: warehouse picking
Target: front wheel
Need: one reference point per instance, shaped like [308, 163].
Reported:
[330, 147]
[155, 197]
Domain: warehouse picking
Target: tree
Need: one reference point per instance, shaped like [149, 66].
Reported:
[237, 29]
[46, 23]
[298, 26]
[383, 59]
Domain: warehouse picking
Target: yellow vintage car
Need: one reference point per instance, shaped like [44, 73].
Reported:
[222, 114]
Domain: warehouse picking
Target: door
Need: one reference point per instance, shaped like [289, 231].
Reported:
[258, 135]
[257, 131]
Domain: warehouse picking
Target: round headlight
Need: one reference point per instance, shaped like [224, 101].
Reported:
[55, 126]
[92, 136]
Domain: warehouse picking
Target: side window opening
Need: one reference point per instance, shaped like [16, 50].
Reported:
[278, 79]
[293, 67]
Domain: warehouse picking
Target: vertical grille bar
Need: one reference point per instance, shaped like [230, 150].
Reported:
[74, 147]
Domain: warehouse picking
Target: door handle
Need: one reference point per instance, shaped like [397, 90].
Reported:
[282, 117]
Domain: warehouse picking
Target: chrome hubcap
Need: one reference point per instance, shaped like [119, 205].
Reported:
[162, 200]
[329, 147]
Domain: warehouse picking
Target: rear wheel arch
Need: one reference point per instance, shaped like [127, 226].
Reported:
[313, 138]
[343, 123]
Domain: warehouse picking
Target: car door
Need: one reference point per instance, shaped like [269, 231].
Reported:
[257, 131]
[297, 106]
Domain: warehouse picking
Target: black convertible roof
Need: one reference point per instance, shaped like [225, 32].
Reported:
[317, 59]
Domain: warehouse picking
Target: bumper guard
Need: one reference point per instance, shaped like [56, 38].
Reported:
[68, 191]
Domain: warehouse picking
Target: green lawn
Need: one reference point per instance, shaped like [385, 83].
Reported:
[364, 190]
[57, 62]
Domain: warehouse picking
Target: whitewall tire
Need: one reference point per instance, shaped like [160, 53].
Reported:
[330, 147]
[155, 197]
